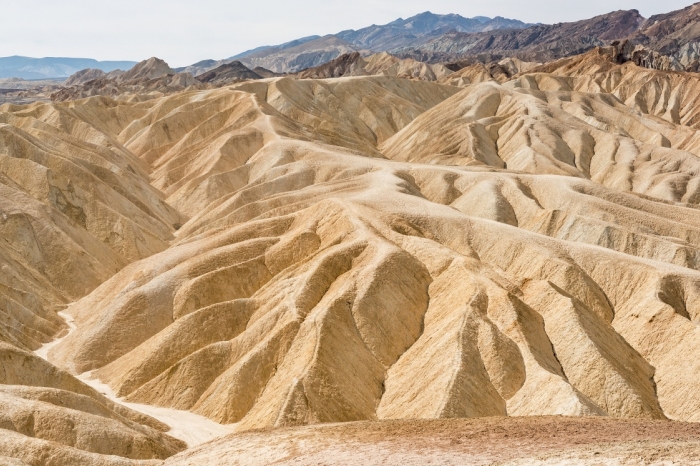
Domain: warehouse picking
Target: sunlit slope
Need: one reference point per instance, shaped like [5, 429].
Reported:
[666, 94]
[370, 248]
[75, 207]
[50, 417]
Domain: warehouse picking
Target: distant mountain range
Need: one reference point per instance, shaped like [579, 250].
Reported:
[417, 29]
[535, 43]
[674, 35]
[54, 67]
[312, 51]
[433, 38]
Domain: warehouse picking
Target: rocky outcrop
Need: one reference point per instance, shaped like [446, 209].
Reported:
[83, 76]
[230, 72]
[152, 68]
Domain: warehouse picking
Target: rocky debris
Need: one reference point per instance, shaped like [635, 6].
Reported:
[466, 72]
[626, 51]
[665, 42]
[349, 64]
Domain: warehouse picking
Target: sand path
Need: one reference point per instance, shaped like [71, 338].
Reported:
[184, 425]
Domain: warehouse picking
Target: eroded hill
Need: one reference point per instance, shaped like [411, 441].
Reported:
[287, 251]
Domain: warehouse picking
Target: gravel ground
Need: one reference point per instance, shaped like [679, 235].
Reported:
[502, 441]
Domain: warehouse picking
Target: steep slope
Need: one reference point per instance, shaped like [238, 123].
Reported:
[200, 67]
[76, 207]
[524, 241]
[49, 417]
[312, 51]
[276, 48]
[668, 95]
[148, 69]
[675, 34]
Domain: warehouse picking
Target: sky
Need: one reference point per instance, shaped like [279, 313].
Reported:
[185, 31]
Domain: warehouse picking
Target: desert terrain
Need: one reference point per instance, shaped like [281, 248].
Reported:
[377, 260]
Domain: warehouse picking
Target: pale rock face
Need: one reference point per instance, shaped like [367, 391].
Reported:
[286, 252]
[84, 76]
[148, 69]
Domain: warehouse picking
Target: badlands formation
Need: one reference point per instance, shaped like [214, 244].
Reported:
[279, 253]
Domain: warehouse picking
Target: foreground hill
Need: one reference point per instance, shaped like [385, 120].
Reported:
[510, 442]
[284, 252]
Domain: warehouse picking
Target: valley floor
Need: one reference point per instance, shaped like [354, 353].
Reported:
[501, 441]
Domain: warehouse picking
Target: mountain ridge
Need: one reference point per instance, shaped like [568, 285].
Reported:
[54, 67]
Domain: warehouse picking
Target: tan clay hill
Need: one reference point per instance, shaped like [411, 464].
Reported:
[282, 253]
[384, 64]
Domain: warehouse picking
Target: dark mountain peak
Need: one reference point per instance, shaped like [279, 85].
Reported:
[233, 71]
[334, 68]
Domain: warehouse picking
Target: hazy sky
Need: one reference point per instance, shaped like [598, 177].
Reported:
[185, 31]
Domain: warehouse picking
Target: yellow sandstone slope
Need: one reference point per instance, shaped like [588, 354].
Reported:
[303, 251]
